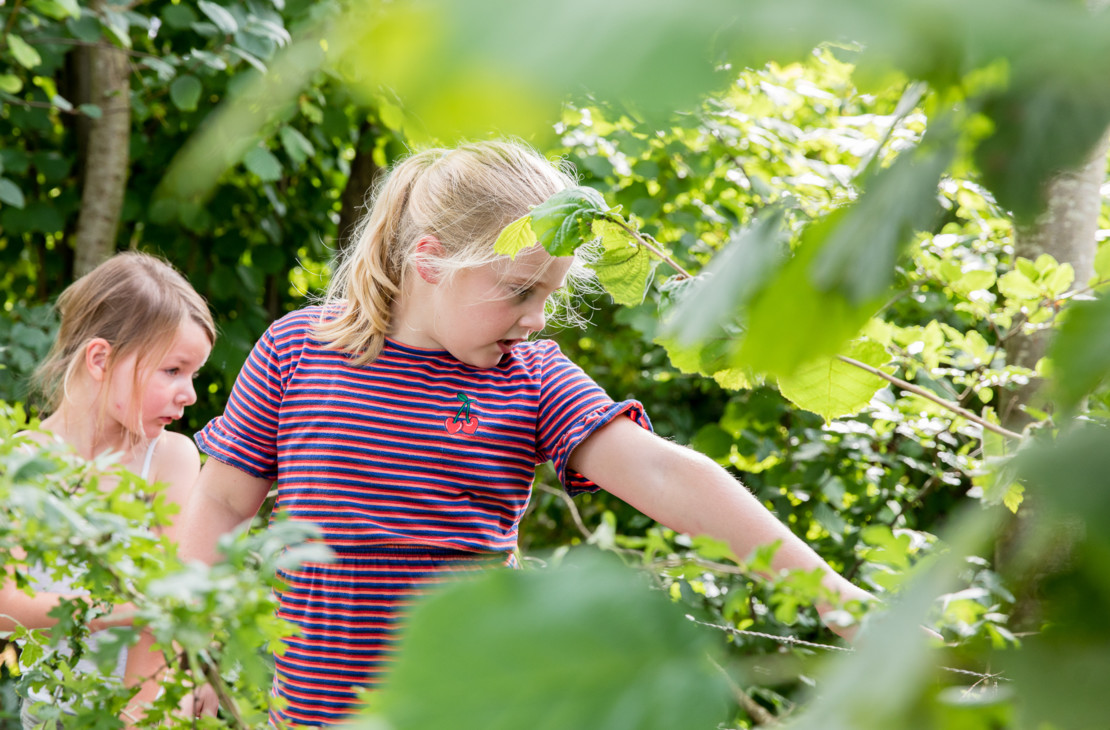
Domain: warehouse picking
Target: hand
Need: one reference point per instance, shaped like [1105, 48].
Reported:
[201, 702]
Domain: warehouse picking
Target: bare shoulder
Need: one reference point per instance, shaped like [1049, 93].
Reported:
[176, 461]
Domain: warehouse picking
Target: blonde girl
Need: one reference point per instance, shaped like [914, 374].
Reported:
[133, 335]
[405, 416]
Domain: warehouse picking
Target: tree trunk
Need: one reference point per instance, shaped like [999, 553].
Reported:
[1065, 231]
[108, 160]
[364, 171]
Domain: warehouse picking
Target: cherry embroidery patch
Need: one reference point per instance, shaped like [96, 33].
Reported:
[463, 419]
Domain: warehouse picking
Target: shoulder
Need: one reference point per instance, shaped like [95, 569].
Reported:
[176, 462]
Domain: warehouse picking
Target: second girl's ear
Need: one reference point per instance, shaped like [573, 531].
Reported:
[428, 252]
[97, 353]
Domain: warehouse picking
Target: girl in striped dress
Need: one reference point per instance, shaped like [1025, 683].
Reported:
[405, 416]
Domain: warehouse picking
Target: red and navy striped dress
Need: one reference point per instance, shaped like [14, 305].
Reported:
[414, 467]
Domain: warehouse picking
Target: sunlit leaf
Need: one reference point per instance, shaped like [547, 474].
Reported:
[564, 221]
[831, 387]
[624, 266]
[10, 194]
[515, 237]
[24, 53]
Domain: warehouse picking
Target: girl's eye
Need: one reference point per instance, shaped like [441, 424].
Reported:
[523, 294]
[173, 371]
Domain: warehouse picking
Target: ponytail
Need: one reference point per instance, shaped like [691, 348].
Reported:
[358, 308]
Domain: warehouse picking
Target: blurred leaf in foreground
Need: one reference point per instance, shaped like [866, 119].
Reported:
[585, 645]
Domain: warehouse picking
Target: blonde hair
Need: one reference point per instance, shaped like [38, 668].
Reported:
[134, 301]
[463, 197]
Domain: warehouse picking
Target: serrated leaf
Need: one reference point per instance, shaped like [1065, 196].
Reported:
[220, 17]
[185, 92]
[564, 221]
[24, 54]
[1061, 278]
[10, 194]
[263, 163]
[515, 237]
[1016, 285]
[831, 387]
[624, 267]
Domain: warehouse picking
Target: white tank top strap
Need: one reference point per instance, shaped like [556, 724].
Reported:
[149, 458]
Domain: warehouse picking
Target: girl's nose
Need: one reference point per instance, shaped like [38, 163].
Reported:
[188, 395]
[534, 319]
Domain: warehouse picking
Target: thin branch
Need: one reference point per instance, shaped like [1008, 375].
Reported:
[13, 14]
[651, 245]
[755, 711]
[570, 505]
[929, 395]
[50, 41]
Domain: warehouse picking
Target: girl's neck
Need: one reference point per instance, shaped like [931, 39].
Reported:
[87, 431]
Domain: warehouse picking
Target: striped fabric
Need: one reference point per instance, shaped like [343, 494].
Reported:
[414, 451]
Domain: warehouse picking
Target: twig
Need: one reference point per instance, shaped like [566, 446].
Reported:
[759, 715]
[929, 395]
[651, 245]
[12, 15]
[570, 505]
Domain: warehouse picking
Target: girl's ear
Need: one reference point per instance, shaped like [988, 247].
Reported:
[97, 353]
[428, 250]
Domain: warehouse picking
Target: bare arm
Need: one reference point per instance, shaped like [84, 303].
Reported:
[222, 499]
[690, 493]
[211, 504]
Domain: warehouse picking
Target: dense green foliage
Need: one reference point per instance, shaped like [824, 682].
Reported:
[856, 202]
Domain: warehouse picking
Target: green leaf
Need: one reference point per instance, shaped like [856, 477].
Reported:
[92, 111]
[57, 9]
[624, 267]
[564, 221]
[1080, 351]
[263, 163]
[24, 54]
[10, 194]
[1102, 263]
[831, 387]
[10, 84]
[1016, 285]
[219, 16]
[516, 237]
[296, 145]
[620, 655]
[730, 281]
[178, 16]
[185, 92]
[858, 253]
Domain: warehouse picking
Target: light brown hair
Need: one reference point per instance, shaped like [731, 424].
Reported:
[463, 197]
[134, 301]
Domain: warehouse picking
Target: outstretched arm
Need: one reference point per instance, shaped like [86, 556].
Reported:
[691, 493]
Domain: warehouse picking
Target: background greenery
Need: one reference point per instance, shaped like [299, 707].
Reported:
[876, 181]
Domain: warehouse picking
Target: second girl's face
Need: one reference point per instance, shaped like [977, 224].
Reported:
[167, 385]
[480, 313]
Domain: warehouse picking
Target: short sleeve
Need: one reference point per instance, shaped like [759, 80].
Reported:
[245, 436]
[572, 406]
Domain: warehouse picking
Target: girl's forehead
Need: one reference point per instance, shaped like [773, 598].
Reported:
[534, 264]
